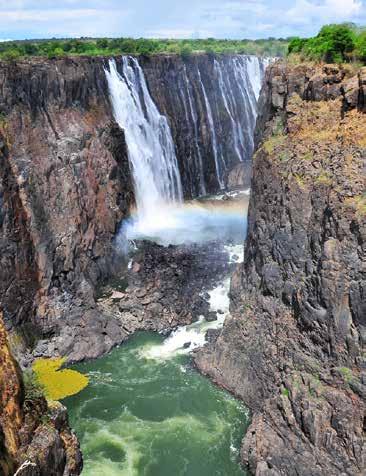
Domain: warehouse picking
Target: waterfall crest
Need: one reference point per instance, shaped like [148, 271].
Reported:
[149, 140]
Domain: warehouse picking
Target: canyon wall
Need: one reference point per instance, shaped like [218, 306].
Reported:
[65, 186]
[65, 180]
[35, 437]
[293, 348]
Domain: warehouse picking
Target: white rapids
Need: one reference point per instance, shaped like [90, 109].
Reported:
[187, 338]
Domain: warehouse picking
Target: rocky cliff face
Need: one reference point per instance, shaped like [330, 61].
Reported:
[65, 185]
[35, 438]
[293, 348]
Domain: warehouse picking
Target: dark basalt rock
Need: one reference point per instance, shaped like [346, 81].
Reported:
[293, 348]
[169, 289]
[211, 316]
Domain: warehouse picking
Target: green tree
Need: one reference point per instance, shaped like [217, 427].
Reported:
[186, 50]
[361, 46]
[11, 54]
[296, 45]
[334, 43]
[102, 43]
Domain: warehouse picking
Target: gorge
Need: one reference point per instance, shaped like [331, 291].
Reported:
[116, 220]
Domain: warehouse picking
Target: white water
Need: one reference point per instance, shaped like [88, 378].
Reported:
[190, 337]
[245, 74]
[224, 94]
[194, 118]
[149, 140]
[218, 166]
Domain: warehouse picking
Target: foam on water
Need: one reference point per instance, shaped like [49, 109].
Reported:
[142, 416]
[190, 337]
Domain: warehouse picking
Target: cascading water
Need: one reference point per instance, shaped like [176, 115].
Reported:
[224, 90]
[194, 118]
[224, 103]
[239, 80]
[218, 164]
[146, 411]
[149, 140]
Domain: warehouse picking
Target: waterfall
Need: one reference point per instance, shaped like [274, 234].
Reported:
[213, 123]
[231, 108]
[194, 117]
[239, 80]
[225, 91]
[213, 135]
[150, 145]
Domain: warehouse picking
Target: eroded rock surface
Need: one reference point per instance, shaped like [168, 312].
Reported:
[293, 348]
[65, 186]
[35, 437]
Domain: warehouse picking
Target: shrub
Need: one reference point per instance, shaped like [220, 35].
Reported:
[296, 45]
[11, 55]
[361, 46]
[334, 43]
[32, 387]
[102, 43]
[186, 51]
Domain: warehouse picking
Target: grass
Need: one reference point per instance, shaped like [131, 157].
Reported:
[299, 180]
[346, 374]
[285, 392]
[360, 202]
[309, 156]
[273, 142]
[323, 178]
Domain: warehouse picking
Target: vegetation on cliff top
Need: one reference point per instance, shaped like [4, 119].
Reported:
[58, 384]
[333, 44]
[108, 47]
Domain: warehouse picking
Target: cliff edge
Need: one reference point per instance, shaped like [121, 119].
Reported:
[293, 348]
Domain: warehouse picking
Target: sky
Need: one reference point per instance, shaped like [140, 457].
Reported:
[21, 19]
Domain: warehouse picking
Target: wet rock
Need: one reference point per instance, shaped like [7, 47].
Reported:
[212, 335]
[211, 316]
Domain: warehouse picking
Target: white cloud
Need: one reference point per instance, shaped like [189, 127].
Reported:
[46, 15]
[64, 22]
[174, 18]
[304, 11]
[185, 33]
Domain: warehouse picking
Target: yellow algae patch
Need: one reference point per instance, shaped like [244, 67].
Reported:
[58, 384]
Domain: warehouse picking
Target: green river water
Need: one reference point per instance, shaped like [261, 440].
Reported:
[146, 410]
[146, 417]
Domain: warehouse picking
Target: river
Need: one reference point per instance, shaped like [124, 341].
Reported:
[147, 411]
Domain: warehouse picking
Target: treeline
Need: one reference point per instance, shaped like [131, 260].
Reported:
[115, 46]
[333, 44]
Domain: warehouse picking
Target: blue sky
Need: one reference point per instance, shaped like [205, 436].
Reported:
[173, 18]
